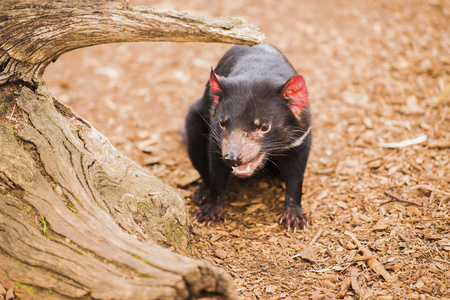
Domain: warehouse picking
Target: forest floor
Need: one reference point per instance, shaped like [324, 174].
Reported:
[377, 72]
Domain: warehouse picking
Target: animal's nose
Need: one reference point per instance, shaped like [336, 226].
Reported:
[232, 159]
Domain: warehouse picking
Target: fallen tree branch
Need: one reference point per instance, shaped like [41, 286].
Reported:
[401, 199]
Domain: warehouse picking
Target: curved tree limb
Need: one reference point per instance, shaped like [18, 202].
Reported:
[34, 32]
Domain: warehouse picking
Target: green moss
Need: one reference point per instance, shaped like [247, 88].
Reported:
[44, 223]
[40, 293]
[6, 99]
[3, 108]
[139, 258]
[31, 289]
[177, 235]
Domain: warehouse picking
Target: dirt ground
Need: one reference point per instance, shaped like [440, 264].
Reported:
[377, 72]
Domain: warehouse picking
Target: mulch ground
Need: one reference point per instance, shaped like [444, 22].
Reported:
[378, 73]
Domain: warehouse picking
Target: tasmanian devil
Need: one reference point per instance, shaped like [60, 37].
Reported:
[254, 117]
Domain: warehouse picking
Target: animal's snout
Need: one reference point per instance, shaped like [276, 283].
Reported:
[232, 159]
[239, 149]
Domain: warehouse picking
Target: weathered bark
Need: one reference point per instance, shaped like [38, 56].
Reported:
[77, 218]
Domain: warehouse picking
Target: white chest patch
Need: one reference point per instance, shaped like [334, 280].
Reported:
[300, 140]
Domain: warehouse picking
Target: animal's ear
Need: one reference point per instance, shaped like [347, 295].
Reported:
[296, 92]
[216, 90]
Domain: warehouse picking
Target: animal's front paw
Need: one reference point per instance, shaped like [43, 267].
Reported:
[210, 213]
[294, 217]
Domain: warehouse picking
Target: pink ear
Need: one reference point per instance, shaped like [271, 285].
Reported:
[215, 88]
[296, 92]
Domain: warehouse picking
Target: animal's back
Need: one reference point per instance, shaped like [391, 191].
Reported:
[255, 63]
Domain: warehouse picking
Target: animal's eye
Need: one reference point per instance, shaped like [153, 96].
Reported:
[222, 124]
[265, 127]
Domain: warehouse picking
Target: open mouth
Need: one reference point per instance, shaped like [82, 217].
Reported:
[249, 168]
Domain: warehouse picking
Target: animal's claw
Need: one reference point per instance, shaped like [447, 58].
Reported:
[209, 214]
[294, 217]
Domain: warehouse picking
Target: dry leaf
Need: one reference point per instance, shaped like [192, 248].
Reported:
[151, 160]
[255, 207]
[188, 179]
[221, 253]
[309, 254]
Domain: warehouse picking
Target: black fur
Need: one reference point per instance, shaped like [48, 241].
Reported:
[251, 81]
